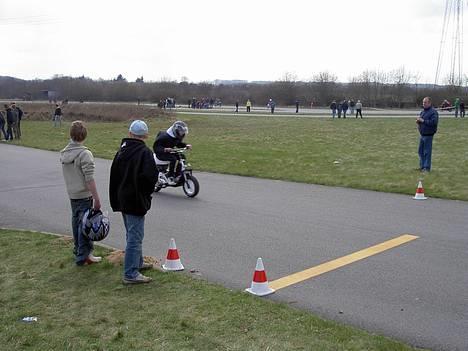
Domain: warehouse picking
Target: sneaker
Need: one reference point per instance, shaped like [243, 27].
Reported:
[146, 266]
[139, 279]
[93, 259]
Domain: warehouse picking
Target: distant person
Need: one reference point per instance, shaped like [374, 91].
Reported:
[462, 109]
[358, 108]
[339, 109]
[2, 125]
[344, 107]
[271, 104]
[57, 116]
[78, 172]
[237, 106]
[133, 176]
[352, 106]
[19, 113]
[427, 126]
[456, 104]
[10, 122]
[333, 108]
[297, 106]
[248, 105]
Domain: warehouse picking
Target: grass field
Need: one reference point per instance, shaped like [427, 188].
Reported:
[87, 308]
[377, 154]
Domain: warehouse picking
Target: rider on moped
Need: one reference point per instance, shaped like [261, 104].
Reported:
[166, 141]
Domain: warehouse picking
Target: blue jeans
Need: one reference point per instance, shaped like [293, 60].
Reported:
[425, 152]
[333, 113]
[135, 231]
[83, 246]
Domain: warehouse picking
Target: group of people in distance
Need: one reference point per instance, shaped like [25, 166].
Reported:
[133, 176]
[342, 107]
[11, 118]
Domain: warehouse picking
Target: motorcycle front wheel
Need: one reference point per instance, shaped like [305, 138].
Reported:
[191, 186]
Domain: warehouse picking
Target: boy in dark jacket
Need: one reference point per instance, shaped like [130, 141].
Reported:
[166, 141]
[132, 180]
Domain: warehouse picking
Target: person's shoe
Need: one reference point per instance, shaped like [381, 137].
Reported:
[170, 181]
[93, 259]
[146, 266]
[139, 279]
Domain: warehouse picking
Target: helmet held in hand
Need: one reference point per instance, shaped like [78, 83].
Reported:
[95, 225]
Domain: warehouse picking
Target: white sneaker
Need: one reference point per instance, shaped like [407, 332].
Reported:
[94, 259]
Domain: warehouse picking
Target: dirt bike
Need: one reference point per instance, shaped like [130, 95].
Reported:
[183, 178]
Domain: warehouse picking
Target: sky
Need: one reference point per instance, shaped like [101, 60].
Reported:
[205, 40]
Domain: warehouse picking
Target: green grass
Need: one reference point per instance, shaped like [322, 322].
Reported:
[87, 308]
[378, 154]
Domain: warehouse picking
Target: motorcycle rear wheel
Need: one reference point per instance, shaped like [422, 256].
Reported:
[191, 186]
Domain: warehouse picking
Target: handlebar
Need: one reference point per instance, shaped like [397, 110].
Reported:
[179, 150]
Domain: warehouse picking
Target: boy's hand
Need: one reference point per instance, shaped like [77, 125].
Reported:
[167, 149]
[189, 146]
[97, 204]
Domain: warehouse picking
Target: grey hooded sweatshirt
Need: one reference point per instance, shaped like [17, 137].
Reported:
[78, 169]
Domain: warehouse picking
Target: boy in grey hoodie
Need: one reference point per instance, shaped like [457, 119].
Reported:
[78, 172]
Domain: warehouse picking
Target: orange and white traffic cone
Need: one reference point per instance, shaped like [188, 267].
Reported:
[419, 192]
[259, 284]
[173, 260]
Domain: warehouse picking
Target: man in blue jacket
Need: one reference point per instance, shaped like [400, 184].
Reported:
[427, 125]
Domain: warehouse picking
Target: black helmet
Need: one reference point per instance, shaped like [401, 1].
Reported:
[179, 129]
[95, 225]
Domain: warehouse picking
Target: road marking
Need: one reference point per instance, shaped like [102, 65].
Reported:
[340, 262]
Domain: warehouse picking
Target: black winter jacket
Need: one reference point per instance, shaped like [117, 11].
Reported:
[164, 140]
[132, 178]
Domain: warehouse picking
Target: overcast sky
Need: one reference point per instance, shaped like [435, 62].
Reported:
[205, 40]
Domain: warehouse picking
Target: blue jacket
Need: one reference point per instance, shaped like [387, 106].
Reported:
[431, 118]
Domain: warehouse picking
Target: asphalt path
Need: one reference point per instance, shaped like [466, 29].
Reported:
[321, 112]
[416, 292]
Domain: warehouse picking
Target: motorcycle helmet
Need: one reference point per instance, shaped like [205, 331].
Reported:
[95, 225]
[179, 129]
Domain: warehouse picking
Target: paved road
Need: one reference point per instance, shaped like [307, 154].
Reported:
[308, 112]
[417, 292]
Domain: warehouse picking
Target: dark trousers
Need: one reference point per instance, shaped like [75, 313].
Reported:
[358, 111]
[425, 151]
[2, 128]
[18, 128]
[173, 161]
[9, 133]
[83, 246]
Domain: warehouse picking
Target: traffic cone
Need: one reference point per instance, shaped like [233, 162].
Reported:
[419, 192]
[259, 284]
[173, 260]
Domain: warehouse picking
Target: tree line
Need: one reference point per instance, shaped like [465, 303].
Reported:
[395, 89]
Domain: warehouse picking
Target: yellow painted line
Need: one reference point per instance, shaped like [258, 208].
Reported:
[340, 262]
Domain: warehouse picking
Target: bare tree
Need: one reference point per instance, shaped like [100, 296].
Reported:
[326, 86]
